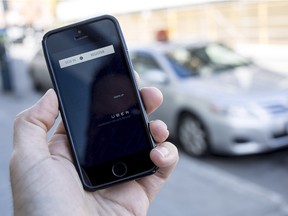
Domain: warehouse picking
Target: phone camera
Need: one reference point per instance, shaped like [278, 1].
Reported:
[81, 57]
[80, 35]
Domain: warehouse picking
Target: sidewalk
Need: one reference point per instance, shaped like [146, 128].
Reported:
[214, 192]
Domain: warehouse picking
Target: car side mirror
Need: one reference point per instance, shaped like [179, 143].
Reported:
[155, 76]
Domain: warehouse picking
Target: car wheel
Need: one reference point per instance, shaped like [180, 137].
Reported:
[192, 135]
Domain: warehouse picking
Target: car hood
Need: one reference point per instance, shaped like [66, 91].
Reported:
[243, 83]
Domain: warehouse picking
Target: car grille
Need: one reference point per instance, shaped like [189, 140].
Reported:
[276, 109]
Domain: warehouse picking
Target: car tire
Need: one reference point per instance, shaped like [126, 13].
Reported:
[192, 136]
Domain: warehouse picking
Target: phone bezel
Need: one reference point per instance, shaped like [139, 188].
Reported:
[85, 180]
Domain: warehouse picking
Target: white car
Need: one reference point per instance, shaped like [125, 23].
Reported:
[214, 99]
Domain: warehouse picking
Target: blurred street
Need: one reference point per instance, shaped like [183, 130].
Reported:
[11, 104]
[215, 185]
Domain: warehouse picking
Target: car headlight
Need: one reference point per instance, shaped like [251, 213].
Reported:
[252, 111]
[238, 111]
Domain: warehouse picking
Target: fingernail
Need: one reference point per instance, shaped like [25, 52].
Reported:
[163, 151]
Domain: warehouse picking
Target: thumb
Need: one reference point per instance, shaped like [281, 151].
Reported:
[31, 125]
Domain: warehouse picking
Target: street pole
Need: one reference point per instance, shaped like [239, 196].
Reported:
[5, 70]
[7, 85]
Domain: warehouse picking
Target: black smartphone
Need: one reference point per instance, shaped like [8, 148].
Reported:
[100, 103]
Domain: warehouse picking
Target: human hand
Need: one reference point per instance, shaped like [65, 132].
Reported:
[45, 182]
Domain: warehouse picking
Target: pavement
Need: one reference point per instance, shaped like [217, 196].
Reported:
[203, 190]
[195, 188]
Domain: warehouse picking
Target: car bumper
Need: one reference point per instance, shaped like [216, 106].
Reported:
[242, 137]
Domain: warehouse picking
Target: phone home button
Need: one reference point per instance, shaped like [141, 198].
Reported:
[119, 169]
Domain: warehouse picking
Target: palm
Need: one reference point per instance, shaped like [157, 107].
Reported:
[124, 199]
[45, 182]
[118, 199]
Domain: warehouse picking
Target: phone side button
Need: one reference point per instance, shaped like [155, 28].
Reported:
[119, 169]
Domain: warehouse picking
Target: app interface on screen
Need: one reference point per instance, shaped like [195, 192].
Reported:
[101, 106]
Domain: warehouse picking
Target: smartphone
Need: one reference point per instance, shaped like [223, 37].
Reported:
[100, 104]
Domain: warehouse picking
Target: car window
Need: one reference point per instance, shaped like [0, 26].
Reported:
[223, 56]
[206, 60]
[143, 62]
[188, 62]
[181, 70]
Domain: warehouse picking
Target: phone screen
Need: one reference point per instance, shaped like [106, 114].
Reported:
[101, 106]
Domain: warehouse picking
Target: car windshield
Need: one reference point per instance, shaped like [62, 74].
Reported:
[204, 61]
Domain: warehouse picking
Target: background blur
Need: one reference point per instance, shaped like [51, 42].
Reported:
[213, 185]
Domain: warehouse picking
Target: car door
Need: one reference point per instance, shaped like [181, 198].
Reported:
[152, 73]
